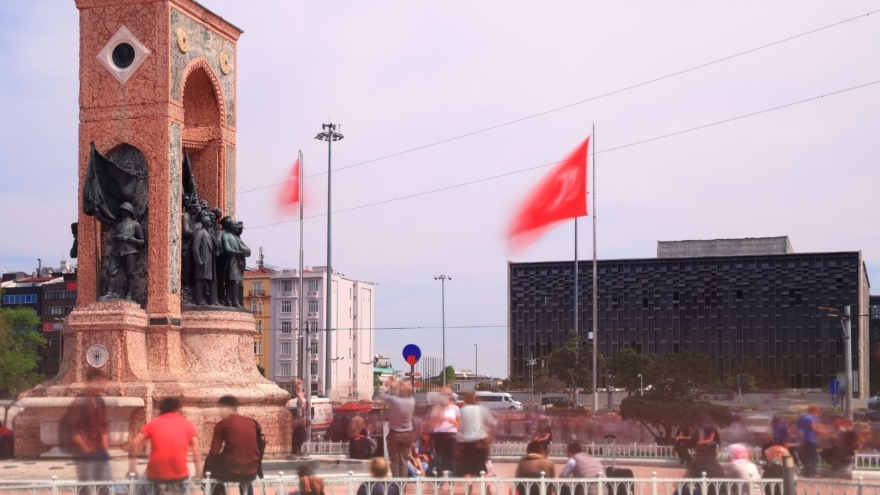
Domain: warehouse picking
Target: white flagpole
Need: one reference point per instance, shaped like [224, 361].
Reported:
[305, 340]
[595, 294]
[577, 330]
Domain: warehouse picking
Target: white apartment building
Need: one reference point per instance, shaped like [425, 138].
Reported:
[351, 342]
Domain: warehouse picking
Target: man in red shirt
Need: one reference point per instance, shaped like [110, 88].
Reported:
[240, 457]
[170, 435]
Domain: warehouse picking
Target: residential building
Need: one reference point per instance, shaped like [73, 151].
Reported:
[734, 300]
[58, 300]
[351, 343]
[258, 299]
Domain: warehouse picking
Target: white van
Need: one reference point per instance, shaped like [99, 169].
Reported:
[497, 400]
[322, 413]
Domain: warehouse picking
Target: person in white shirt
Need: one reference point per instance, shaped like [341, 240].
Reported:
[741, 467]
[445, 418]
[475, 431]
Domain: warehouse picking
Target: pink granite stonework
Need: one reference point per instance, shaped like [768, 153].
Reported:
[181, 94]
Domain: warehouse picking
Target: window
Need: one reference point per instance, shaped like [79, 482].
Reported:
[349, 371]
[256, 307]
[286, 326]
[349, 312]
[313, 326]
[57, 310]
[286, 388]
[313, 286]
[257, 288]
[313, 306]
[314, 369]
[286, 306]
[285, 348]
[59, 294]
[258, 347]
[349, 293]
[314, 348]
[20, 299]
[259, 326]
[285, 369]
[287, 285]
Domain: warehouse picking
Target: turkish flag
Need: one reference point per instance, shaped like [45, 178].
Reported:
[561, 194]
[288, 199]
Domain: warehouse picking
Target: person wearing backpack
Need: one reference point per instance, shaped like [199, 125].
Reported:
[237, 448]
[361, 446]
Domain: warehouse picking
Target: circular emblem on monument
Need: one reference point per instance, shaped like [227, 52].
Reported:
[182, 40]
[97, 356]
[224, 62]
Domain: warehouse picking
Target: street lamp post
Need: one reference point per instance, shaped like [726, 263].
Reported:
[328, 133]
[443, 279]
[532, 362]
[846, 326]
[307, 372]
[641, 386]
[476, 364]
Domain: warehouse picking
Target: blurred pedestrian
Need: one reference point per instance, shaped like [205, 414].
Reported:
[580, 465]
[89, 428]
[361, 446]
[355, 425]
[544, 432]
[809, 453]
[236, 451]
[170, 435]
[7, 442]
[445, 418]
[476, 436]
[309, 484]
[298, 436]
[379, 471]
[741, 467]
[683, 444]
[398, 395]
[534, 465]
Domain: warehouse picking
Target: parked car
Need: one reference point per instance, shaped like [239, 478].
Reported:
[556, 402]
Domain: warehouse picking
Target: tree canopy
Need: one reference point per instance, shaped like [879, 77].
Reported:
[572, 364]
[19, 350]
[683, 376]
[665, 417]
[625, 367]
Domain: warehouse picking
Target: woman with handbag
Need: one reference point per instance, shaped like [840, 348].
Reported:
[476, 431]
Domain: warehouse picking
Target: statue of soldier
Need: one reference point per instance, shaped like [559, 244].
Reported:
[127, 237]
[204, 252]
[74, 229]
[234, 254]
[189, 225]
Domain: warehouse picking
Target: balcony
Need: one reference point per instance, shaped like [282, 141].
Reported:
[285, 293]
[257, 293]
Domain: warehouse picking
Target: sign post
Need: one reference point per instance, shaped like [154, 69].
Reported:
[412, 354]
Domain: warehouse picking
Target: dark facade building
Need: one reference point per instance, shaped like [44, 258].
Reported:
[58, 300]
[758, 305]
[874, 344]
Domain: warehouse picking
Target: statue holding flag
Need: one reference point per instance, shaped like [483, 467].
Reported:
[108, 196]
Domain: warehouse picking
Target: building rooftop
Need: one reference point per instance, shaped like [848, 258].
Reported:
[749, 246]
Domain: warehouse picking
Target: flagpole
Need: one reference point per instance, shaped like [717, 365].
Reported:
[595, 294]
[305, 341]
[576, 327]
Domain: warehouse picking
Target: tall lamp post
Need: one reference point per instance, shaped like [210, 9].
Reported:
[641, 386]
[846, 326]
[443, 279]
[329, 134]
[532, 362]
[476, 364]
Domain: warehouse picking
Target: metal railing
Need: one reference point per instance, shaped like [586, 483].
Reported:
[490, 485]
[864, 461]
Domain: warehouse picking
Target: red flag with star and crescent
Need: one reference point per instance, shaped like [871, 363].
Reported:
[561, 194]
[288, 197]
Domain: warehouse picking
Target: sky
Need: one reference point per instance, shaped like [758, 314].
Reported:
[399, 76]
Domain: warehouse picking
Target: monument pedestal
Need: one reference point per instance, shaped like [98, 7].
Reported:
[208, 356]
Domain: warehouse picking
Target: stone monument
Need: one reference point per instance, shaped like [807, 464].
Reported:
[157, 77]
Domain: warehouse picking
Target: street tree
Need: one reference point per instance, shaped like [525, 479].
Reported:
[625, 367]
[665, 418]
[20, 344]
[684, 376]
[572, 364]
